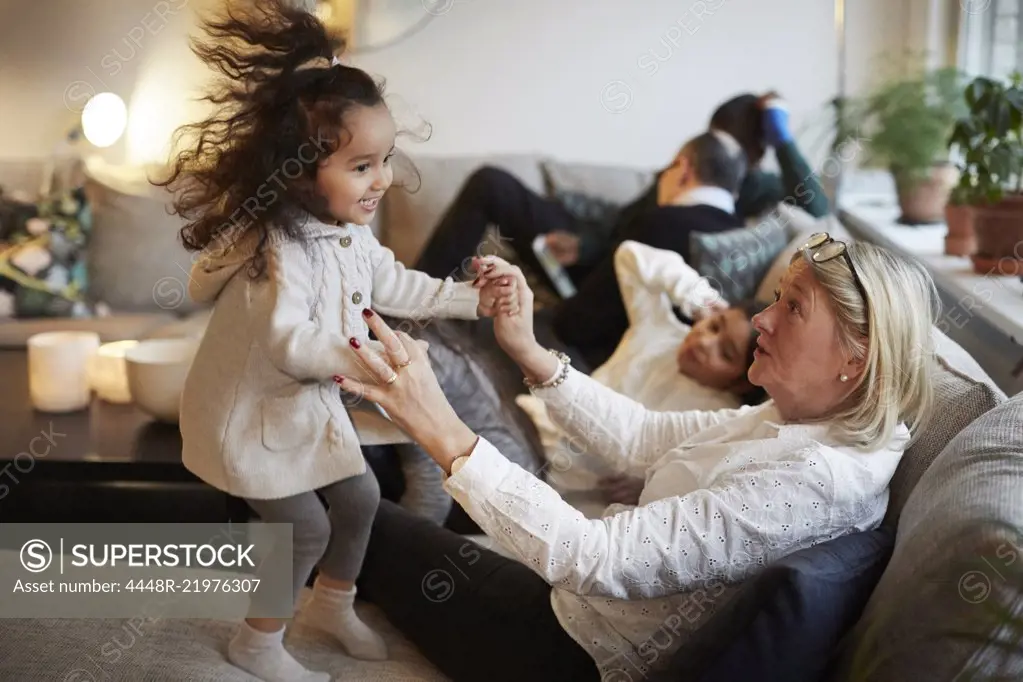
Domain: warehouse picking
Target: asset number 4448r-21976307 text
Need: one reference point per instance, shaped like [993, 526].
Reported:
[192, 585]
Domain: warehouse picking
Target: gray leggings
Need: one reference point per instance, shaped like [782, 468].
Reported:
[338, 534]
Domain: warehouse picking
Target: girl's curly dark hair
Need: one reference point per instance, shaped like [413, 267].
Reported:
[280, 106]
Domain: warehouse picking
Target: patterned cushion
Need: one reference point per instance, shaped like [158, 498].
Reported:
[42, 256]
[736, 261]
[799, 225]
[588, 208]
[958, 560]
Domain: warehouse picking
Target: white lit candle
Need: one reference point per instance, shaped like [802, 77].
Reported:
[108, 374]
[58, 379]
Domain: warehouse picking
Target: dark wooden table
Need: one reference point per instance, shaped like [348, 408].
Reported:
[106, 463]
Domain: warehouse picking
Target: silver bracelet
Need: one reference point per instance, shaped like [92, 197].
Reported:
[559, 378]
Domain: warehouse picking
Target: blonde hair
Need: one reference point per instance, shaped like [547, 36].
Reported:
[891, 334]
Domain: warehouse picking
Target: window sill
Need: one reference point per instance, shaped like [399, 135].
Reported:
[997, 299]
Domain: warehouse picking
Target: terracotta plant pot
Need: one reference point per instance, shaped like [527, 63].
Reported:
[999, 231]
[960, 240]
[923, 201]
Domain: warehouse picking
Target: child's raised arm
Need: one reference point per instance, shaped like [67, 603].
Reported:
[400, 292]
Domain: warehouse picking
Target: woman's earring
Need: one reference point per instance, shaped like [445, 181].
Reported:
[843, 378]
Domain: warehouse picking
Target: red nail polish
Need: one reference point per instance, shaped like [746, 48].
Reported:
[354, 342]
[338, 378]
[367, 313]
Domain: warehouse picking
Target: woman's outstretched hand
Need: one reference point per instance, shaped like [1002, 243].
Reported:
[407, 389]
[513, 323]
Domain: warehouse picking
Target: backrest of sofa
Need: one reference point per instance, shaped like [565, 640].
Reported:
[613, 184]
[423, 190]
[963, 392]
[957, 569]
[408, 217]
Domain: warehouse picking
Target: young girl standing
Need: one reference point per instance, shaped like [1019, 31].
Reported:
[278, 189]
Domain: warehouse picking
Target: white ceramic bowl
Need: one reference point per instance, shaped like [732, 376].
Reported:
[108, 374]
[156, 375]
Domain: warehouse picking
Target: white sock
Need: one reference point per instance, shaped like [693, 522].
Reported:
[263, 654]
[332, 611]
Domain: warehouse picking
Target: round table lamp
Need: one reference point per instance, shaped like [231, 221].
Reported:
[104, 119]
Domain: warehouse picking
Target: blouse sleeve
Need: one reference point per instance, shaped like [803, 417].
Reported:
[626, 435]
[726, 531]
[651, 280]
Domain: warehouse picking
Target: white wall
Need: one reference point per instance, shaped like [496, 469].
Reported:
[605, 81]
[54, 54]
[581, 79]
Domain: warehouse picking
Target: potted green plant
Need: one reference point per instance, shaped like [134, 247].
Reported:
[906, 123]
[989, 139]
[960, 239]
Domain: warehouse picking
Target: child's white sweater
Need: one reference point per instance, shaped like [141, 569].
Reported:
[261, 416]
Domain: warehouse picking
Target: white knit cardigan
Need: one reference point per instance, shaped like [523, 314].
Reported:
[261, 416]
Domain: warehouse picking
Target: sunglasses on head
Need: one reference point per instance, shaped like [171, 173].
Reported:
[821, 248]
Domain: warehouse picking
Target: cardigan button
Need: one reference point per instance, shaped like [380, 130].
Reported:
[346, 241]
[356, 298]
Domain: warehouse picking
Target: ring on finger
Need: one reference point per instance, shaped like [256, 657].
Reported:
[394, 377]
[402, 365]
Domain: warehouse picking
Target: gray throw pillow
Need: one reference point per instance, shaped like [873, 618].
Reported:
[735, 261]
[588, 208]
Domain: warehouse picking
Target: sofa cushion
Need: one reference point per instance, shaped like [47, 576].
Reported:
[736, 261]
[415, 204]
[962, 392]
[784, 623]
[958, 559]
[588, 208]
[136, 260]
[799, 225]
[615, 184]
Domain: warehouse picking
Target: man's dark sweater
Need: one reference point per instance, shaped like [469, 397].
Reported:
[594, 320]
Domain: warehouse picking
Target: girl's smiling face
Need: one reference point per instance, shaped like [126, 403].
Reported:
[354, 178]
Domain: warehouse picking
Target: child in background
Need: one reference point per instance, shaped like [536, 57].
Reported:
[661, 362]
[279, 190]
